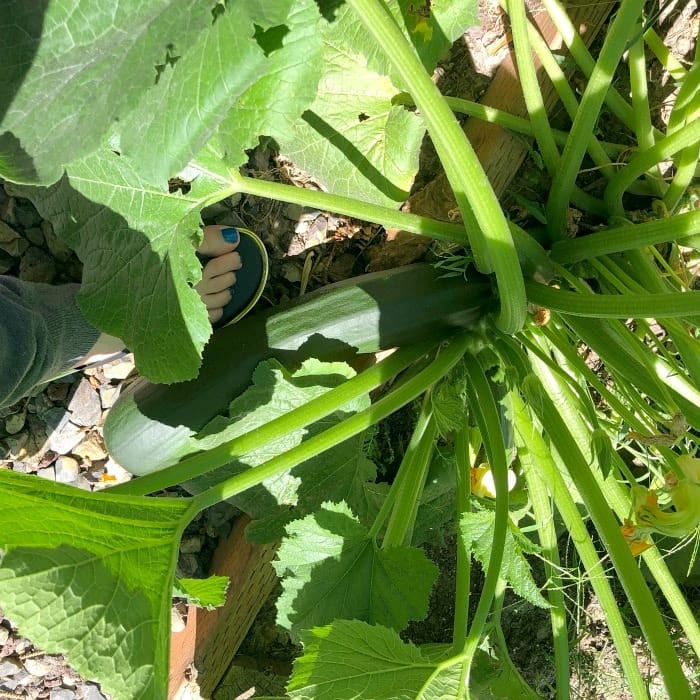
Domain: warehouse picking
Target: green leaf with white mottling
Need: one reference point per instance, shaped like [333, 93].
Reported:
[332, 569]
[247, 80]
[293, 66]
[92, 578]
[71, 70]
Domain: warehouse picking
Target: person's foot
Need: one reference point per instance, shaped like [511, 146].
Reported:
[219, 274]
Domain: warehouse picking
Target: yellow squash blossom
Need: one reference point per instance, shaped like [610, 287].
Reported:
[483, 484]
[678, 518]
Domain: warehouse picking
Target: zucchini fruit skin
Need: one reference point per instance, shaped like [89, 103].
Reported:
[150, 426]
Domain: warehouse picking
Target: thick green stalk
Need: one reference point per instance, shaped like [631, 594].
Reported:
[614, 101]
[530, 85]
[628, 237]
[451, 353]
[640, 104]
[671, 305]
[578, 467]
[670, 63]
[686, 137]
[363, 211]
[519, 125]
[463, 575]
[483, 407]
[487, 228]
[598, 151]
[411, 479]
[533, 449]
[544, 517]
[587, 115]
[314, 410]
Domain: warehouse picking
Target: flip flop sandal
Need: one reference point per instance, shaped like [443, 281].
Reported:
[250, 279]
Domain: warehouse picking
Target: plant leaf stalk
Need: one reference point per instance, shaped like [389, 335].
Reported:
[314, 410]
[614, 101]
[627, 237]
[451, 353]
[587, 115]
[483, 407]
[533, 450]
[463, 575]
[640, 105]
[669, 305]
[686, 137]
[410, 479]
[577, 465]
[544, 517]
[487, 229]
[530, 85]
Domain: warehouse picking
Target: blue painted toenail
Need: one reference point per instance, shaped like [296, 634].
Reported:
[230, 235]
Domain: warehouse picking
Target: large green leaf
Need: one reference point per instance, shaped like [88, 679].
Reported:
[350, 659]
[256, 80]
[137, 243]
[293, 65]
[353, 139]
[71, 70]
[333, 569]
[338, 474]
[90, 575]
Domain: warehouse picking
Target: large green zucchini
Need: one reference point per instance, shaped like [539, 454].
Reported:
[149, 426]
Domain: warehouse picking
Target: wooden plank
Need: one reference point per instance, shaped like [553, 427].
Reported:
[212, 637]
[499, 151]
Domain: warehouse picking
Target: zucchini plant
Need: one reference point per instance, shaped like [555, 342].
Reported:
[275, 420]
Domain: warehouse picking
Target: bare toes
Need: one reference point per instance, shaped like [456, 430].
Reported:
[218, 300]
[221, 265]
[218, 240]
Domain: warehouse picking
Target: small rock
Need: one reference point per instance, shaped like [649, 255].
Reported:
[15, 422]
[37, 266]
[66, 439]
[61, 694]
[91, 449]
[15, 445]
[187, 566]
[108, 395]
[119, 369]
[9, 667]
[67, 469]
[191, 544]
[11, 242]
[293, 212]
[47, 473]
[55, 419]
[4, 636]
[25, 214]
[35, 236]
[37, 667]
[85, 405]
[58, 391]
[90, 692]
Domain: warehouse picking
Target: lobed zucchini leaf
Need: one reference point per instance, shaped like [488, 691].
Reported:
[92, 578]
[392, 668]
[86, 69]
[332, 569]
[137, 242]
[476, 529]
[338, 473]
